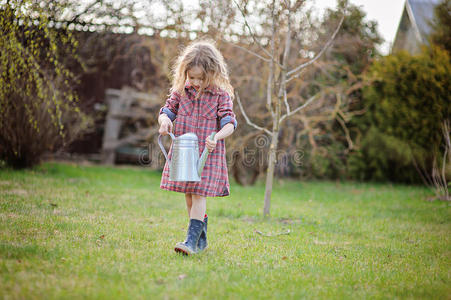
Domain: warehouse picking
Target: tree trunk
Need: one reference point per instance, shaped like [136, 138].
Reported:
[270, 172]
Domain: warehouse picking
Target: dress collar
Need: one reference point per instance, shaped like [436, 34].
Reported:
[211, 89]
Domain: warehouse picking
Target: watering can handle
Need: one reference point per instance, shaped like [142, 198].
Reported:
[161, 144]
[204, 156]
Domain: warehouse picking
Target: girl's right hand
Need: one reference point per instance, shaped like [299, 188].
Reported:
[165, 126]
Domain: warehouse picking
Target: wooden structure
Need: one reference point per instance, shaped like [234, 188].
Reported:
[128, 109]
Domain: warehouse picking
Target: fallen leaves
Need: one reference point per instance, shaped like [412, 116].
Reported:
[182, 276]
[100, 239]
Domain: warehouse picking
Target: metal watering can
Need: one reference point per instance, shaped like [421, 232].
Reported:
[185, 165]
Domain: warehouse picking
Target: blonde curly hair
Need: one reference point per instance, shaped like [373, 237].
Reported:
[205, 55]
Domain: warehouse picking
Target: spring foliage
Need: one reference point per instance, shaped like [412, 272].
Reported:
[38, 108]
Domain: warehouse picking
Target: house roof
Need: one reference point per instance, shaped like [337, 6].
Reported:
[421, 13]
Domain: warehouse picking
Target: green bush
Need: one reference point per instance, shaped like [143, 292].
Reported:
[441, 26]
[406, 105]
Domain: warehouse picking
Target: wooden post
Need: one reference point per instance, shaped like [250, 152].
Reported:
[116, 104]
[119, 109]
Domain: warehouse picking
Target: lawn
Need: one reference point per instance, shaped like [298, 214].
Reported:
[75, 231]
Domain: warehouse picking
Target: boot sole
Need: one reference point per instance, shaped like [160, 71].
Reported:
[183, 250]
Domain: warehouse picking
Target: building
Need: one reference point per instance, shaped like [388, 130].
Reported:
[415, 25]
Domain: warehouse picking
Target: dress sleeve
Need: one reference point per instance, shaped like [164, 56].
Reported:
[171, 106]
[225, 111]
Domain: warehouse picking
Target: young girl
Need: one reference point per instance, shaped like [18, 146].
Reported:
[200, 102]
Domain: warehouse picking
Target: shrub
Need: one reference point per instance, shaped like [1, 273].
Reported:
[38, 108]
[406, 105]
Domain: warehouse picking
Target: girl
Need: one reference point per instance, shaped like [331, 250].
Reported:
[200, 102]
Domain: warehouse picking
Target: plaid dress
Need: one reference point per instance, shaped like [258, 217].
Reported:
[209, 113]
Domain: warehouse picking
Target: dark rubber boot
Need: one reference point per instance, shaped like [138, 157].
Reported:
[189, 246]
[202, 244]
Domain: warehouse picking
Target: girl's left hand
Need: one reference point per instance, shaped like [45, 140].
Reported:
[210, 144]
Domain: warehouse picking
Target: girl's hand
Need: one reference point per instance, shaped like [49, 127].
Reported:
[210, 144]
[165, 126]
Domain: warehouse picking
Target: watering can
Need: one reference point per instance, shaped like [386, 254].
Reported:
[185, 164]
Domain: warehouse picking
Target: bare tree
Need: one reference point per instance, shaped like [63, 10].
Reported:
[276, 54]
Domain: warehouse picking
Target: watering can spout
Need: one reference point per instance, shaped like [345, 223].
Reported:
[203, 157]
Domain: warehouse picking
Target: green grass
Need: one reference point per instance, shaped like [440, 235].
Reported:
[71, 231]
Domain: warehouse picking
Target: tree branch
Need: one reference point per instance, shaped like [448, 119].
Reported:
[295, 76]
[253, 35]
[329, 42]
[286, 53]
[248, 121]
[298, 108]
[287, 106]
[85, 11]
[249, 51]
[271, 63]
[341, 120]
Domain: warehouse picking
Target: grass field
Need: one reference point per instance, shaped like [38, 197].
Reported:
[72, 231]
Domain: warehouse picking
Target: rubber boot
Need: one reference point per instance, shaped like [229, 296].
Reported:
[189, 246]
[202, 244]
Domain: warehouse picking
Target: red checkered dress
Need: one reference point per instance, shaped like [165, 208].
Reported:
[203, 116]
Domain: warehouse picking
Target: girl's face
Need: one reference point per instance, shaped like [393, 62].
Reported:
[196, 77]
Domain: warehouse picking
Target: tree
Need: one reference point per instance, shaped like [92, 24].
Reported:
[38, 108]
[441, 28]
[285, 34]
[340, 74]
[406, 105]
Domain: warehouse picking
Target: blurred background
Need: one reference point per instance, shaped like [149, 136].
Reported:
[84, 81]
